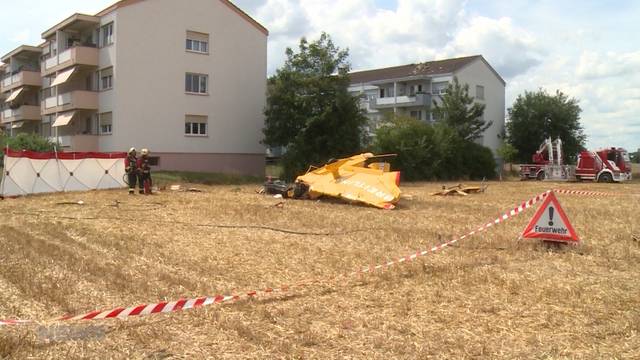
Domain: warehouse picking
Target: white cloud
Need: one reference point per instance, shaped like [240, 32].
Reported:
[21, 37]
[511, 50]
[594, 65]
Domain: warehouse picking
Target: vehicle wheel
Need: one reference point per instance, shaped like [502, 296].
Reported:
[605, 178]
[540, 176]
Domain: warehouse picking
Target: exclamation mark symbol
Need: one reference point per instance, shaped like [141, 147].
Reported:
[551, 210]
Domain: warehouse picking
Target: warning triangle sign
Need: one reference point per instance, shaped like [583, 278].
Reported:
[551, 223]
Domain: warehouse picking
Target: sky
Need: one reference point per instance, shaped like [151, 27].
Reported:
[586, 49]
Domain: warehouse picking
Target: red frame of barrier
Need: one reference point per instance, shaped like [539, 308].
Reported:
[63, 155]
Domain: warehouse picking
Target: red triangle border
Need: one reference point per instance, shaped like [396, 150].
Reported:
[528, 232]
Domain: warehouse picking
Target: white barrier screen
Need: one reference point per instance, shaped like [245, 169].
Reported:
[28, 172]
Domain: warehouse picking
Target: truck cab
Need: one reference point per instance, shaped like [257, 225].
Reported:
[605, 165]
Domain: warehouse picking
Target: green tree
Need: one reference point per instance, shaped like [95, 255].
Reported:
[508, 153]
[309, 109]
[536, 116]
[458, 111]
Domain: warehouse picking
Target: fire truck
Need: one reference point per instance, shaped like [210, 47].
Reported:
[604, 165]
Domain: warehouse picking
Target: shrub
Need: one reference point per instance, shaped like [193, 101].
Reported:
[429, 152]
[30, 142]
[413, 141]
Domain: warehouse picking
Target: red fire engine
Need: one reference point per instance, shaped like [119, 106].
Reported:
[604, 165]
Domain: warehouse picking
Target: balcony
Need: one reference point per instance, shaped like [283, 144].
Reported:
[25, 77]
[402, 101]
[81, 143]
[75, 100]
[24, 112]
[79, 55]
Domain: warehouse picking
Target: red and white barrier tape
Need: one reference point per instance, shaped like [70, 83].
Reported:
[588, 193]
[517, 210]
[184, 304]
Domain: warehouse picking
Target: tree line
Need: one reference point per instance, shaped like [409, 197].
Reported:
[311, 113]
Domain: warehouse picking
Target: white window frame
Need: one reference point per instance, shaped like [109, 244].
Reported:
[196, 128]
[197, 42]
[109, 127]
[101, 79]
[106, 34]
[197, 90]
[197, 46]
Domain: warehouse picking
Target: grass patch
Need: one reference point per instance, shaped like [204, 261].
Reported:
[121, 250]
[171, 177]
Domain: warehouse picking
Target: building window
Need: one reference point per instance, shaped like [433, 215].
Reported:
[197, 42]
[154, 160]
[381, 92]
[106, 78]
[479, 92]
[195, 125]
[107, 34]
[106, 123]
[440, 88]
[45, 130]
[415, 89]
[416, 114]
[196, 83]
[48, 92]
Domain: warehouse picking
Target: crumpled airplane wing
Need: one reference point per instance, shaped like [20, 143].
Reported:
[352, 180]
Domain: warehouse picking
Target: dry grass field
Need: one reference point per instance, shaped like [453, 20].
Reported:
[490, 296]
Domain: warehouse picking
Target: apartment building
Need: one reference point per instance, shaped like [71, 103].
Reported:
[20, 88]
[411, 90]
[185, 79]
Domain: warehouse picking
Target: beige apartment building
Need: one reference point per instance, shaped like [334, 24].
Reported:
[186, 79]
[411, 90]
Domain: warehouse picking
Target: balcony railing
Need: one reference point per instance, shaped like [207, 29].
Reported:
[419, 99]
[78, 99]
[78, 55]
[24, 112]
[24, 77]
[79, 142]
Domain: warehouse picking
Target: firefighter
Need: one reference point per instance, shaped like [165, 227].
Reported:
[131, 168]
[144, 171]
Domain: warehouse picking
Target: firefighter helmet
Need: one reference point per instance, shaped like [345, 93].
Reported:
[131, 151]
[144, 152]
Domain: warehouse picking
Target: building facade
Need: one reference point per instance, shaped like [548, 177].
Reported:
[185, 79]
[411, 90]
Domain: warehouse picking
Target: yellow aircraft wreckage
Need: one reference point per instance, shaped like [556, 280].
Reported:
[364, 178]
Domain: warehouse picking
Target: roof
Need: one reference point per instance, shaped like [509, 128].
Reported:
[19, 49]
[232, 6]
[70, 20]
[429, 68]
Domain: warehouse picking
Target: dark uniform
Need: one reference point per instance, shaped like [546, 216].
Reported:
[131, 168]
[144, 181]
